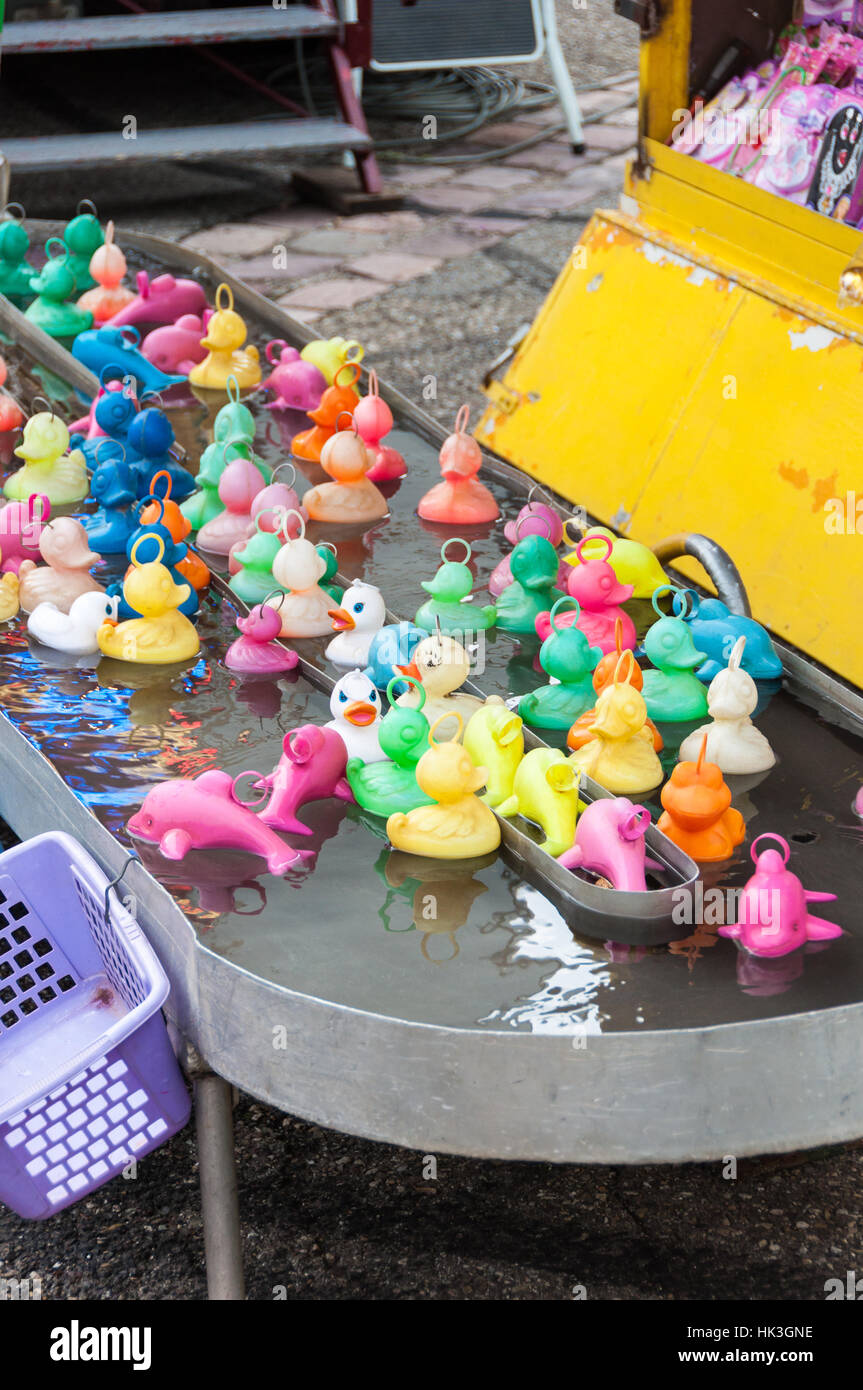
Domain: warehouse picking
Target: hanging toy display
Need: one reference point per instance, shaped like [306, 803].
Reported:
[392, 648]
[298, 569]
[226, 357]
[295, 384]
[163, 509]
[609, 842]
[672, 692]
[21, 528]
[114, 485]
[569, 659]
[117, 348]
[534, 519]
[698, 814]
[603, 676]
[595, 586]
[733, 742]
[495, 741]
[161, 635]
[545, 791]
[162, 301]
[442, 665]
[107, 267]
[83, 236]
[773, 916]
[531, 591]
[176, 348]
[48, 470]
[374, 420]
[330, 354]
[356, 709]
[53, 287]
[715, 629]
[15, 271]
[256, 652]
[311, 768]
[337, 401]
[457, 825]
[385, 788]
[461, 499]
[632, 562]
[66, 574]
[361, 614]
[619, 753]
[152, 442]
[253, 580]
[77, 632]
[239, 485]
[350, 499]
[449, 608]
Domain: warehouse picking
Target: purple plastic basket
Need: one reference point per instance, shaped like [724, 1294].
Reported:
[88, 1078]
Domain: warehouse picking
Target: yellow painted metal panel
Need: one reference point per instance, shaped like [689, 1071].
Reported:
[664, 69]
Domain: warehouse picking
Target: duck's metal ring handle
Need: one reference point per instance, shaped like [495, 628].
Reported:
[717, 563]
[87, 205]
[265, 602]
[521, 520]
[8, 209]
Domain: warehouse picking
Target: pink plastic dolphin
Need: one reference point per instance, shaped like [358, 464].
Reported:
[311, 768]
[773, 917]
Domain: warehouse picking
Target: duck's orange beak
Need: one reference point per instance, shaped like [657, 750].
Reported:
[341, 619]
[412, 670]
[361, 713]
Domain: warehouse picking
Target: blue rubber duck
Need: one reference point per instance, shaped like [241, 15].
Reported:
[150, 437]
[98, 348]
[450, 591]
[113, 413]
[566, 656]
[715, 629]
[534, 565]
[672, 692]
[391, 647]
[114, 485]
[174, 552]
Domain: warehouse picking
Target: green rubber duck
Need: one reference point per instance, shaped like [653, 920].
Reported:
[672, 692]
[534, 565]
[329, 555]
[387, 787]
[450, 591]
[53, 286]
[568, 657]
[83, 235]
[234, 423]
[15, 272]
[254, 582]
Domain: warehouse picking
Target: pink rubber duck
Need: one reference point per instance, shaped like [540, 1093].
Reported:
[66, 572]
[239, 485]
[598, 592]
[609, 840]
[773, 916]
[534, 519]
[21, 525]
[268, 508]
[374, 420]
[256, 652]
[296, 384]
[460, 500]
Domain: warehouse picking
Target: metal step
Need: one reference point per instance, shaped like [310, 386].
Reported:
[165, 30]
[46, 152]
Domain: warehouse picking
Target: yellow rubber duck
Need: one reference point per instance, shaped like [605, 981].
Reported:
[161, 635]
[8, 597]
[494, 739]
[441, 664]
[620, 755]
[632, 562]
[48, 469]
[224, 337]
[459, 825]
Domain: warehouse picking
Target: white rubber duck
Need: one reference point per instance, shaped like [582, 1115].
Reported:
[733, 742]
[362, 614]
[305, 608]
[73, 632]
[442, 665]
[355, 705]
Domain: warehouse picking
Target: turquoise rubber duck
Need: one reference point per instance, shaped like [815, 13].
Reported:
[15, 273]
[534, 566]
[387, 787]
[83, 235]
[450, 591]
[234, 423]
[672, 692]
[53, 286]
[567, 656]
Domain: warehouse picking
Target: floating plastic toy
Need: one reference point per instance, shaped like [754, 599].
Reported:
[356, 709]
[534, 519]
[226, 356]
[531, 591]
[154, 541]
[620, 754]
[256, 652]
[15, 272]
[337, 401]
[151, 439]
[296, 385]
[9, 604]
[632, 562]
[161, 635]
[460, 500]
[595, 586]
[48, 470]
[11, 414]
[350, 498]
[449, 607]
[66, 574]
[329, 555]
[442, 665]
[83, 236]
[330, 354]
[176, 348]
[733, 742]
[53, 286]
[203, 813]
[390, 650]
[569, 659]
[99, 348]
[609, 841]
[115, 486]
[495, 741]
[21, 526]
[253, 581]
[715, 629]
[773, 916]
[311, 768]
[112, 412]
[374, 420]
[107, 268]
[74, 632]
[385, 788]
[457, 825]
[698, 814]
[164, 300]
[165, 510]
[545, 791]
[580, 732]
[239, 485]
[298, 569]
[672, 692]
[362, 613]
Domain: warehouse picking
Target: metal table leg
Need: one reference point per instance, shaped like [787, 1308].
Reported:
[218, 1177]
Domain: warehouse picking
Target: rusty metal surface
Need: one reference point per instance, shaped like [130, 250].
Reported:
[166, 29]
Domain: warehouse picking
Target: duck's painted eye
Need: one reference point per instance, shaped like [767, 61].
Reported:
[358, 607]
[343, 697]
[373, 696]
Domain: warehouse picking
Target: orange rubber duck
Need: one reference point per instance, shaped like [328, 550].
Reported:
[460, 500]
[107, 267]
[580, 733]
[335, 402]
[698, 814]
[350, 498]
[191, 567]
